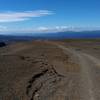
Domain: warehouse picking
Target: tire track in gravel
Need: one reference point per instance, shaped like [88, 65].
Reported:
[87, 92]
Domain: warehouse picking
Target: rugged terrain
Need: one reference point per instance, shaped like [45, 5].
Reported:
[45, 70]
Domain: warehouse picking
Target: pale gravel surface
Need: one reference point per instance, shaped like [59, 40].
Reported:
[90, 72]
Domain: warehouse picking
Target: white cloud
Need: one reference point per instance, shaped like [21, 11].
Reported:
[61, 28]
[51, 29]
[41, 29]
[21, 16]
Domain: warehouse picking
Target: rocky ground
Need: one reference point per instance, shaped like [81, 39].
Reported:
[34, 71]
[44, 70]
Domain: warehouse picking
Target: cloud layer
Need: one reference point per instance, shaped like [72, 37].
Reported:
[43, 29]
[22, 16]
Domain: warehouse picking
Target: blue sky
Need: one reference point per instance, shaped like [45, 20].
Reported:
[49, 15]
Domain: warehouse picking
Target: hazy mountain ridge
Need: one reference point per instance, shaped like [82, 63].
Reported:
[59, 35]
[8, 38]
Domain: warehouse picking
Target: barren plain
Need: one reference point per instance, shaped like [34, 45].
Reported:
[50, 70]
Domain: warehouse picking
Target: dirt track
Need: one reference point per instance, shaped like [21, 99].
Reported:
[48, 71]
[90, 73]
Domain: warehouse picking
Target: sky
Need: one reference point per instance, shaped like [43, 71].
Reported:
[37, 16]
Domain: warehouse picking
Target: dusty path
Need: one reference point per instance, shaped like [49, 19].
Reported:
[90, 72]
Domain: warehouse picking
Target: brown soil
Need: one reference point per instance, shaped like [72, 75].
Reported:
[36, 71]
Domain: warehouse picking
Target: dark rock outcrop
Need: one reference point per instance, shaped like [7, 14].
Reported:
[2, 44]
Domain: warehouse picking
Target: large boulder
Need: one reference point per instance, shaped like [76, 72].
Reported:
[2, 44]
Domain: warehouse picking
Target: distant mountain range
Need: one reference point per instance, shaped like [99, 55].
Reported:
[59, 35]
[8, 38]
[71, 34]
